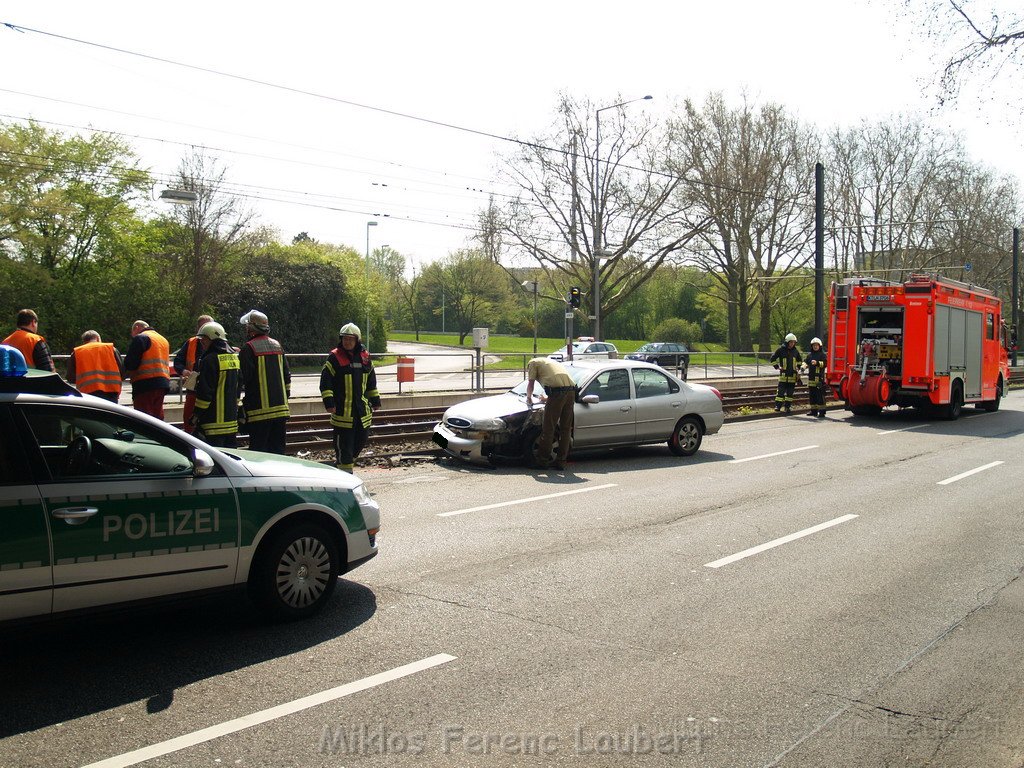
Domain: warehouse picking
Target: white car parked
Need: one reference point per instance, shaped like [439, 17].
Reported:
[585, 348]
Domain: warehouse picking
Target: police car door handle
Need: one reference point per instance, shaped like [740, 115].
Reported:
[74, 515]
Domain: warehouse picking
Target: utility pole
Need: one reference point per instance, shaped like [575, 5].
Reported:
[819, 247]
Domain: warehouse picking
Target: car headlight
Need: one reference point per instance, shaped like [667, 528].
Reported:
[516, 419]
[488, 425]
[362, 495]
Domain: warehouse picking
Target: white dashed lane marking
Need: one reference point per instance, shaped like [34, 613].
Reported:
[527, 501]
[777, 542]
[968, 473]
[266, 715]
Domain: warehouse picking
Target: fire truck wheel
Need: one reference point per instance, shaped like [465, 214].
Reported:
[956, 402]
[993, 405]
[686, 437]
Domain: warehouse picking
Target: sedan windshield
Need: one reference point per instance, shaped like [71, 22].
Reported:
[578, 375]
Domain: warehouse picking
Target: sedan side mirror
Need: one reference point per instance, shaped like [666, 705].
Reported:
[590, 399]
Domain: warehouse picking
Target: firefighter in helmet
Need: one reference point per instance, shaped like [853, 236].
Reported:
[814, 364]
[348, 386]
[786, 360]
[217, 389]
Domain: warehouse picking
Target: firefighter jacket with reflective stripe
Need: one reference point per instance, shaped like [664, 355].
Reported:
[816, 362]
[96, 367]
[147, 362]
[33, 347]
[788, 361]
[265, 379]
[187, 356]
[217, 390]
[348, 384]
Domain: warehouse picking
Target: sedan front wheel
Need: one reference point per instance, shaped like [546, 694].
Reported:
[686, 437]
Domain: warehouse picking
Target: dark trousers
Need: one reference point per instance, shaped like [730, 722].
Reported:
[816, 394]
[217, 441]
[348, 444]
[267, 436]
[151, 402]
[558, 413]
[784, 394]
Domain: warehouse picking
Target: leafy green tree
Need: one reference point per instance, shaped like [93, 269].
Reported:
[62, 199]
[472, 288]
[299, 289]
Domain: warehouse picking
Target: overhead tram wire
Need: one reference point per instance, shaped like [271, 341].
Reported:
[382, 110]
[239, 135]
[255, 155]
[171, 178]
[457, 222]
[335, 99]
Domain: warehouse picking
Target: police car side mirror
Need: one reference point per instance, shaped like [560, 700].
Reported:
[202, 463]
[590, 399]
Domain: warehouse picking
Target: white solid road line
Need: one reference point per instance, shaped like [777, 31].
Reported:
[777, 542]
[905, 429]
[968, 473]
[769, 455]
[527, 501]
[266, 715]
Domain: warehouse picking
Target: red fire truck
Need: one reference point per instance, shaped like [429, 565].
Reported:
[930, 342]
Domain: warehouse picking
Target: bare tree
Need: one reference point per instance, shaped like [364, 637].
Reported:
[973, 39]
[630, 209]
[752, 171]
[208, 232]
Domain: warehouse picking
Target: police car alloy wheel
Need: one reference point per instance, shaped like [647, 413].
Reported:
[296, 572]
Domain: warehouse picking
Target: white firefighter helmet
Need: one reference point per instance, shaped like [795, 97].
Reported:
[213, 331]
[815, 340]
[350, 329]
[790, 337]
[256, 319]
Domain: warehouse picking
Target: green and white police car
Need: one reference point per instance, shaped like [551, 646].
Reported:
[102, 506]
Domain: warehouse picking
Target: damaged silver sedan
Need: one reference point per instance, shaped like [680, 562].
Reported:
[618, 403]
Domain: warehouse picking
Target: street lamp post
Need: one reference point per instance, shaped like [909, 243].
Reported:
[366, 330]
[531, 285]
[598, 233]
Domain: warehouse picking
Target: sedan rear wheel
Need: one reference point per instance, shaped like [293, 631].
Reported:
[686, 437]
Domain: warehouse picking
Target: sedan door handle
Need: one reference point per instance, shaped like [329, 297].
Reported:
[74, 515]
[676, 404]
[626, 408]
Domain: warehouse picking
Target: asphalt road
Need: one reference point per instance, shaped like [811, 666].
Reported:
[800, 593]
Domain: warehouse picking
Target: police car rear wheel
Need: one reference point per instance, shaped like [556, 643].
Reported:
[297, 572]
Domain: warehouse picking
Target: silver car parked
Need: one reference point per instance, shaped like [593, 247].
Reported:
[618, 403]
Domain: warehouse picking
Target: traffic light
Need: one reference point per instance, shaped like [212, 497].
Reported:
[574, 298]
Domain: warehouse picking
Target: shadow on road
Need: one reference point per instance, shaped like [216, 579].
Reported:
[973, 422]
[57, 672]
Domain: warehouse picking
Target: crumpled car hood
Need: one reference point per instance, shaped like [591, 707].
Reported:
[495, 406]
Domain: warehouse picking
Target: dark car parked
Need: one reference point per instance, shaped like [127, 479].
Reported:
[665, 354]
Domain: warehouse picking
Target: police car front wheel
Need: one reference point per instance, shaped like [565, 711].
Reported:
[296, 572]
